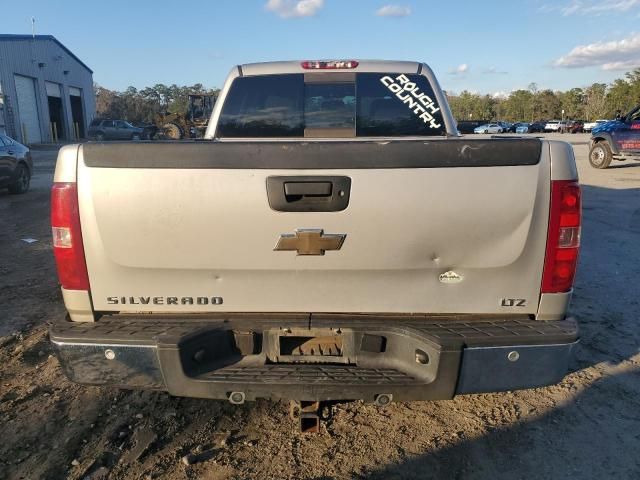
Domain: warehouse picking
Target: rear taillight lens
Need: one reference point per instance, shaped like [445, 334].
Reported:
[67, 237]
[563, 237]
[329, 64]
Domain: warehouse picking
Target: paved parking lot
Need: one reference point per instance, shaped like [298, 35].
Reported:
[588, 426]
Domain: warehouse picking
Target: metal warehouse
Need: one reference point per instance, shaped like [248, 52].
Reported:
[46, 92]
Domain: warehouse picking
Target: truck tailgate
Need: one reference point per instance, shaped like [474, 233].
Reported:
[444, 226]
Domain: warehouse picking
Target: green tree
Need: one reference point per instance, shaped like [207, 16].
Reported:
[548, 104]
[595, 101]
[144, 105]
[519, 106]
[572, 102]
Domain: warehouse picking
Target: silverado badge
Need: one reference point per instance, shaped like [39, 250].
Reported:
[310, 241]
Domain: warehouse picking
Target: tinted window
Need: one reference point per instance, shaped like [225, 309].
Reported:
[396, 105]
[95, 123]
[107, 123]
[329, 105]
[376, 104]
[266, 106]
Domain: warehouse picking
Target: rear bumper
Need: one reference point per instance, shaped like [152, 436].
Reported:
[408, 357]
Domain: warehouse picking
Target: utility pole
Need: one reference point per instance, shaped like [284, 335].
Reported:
[33, 27]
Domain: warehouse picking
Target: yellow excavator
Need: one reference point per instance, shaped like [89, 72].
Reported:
[192, 124]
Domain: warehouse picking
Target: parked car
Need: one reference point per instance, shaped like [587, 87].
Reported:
[102, 130]
[522, 127]
[467, 126]
[489, 128]
[506, 126]
[589, 126]
[615, 140]
[537, 127]
[153, 253]
[514, 127]
[149, 130]
[576, 126]
[16, 165]
[552, 126]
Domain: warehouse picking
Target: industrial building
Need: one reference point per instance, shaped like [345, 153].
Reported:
[46, 92]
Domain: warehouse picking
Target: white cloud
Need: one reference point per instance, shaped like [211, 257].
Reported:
[614, 55]
[500, 94]
[460, 69]
[294, 8]
[493, 71]
[591, 7]
[628, 65]
[393, 11]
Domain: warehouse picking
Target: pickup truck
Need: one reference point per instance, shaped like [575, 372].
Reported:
[332, 238]
[615, 140]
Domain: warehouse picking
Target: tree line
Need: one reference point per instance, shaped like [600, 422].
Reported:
[598, 100]
[144, 105]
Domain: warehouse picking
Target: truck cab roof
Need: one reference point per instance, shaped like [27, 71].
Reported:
[295, 66]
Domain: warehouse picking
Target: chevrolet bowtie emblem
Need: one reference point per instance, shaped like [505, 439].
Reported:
[310, 242]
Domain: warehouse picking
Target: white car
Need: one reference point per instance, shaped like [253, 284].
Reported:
[552, 126]
[489, 128]
[588, 126]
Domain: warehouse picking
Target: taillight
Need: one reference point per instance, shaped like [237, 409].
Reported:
[67, 237]
[328, 64]
[563, 237]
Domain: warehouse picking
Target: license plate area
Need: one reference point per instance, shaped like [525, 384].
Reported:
[312, 346]
[328, 346]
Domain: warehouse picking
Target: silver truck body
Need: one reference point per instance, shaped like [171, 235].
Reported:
[179, 230]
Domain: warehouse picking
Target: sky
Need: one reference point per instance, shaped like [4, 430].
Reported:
[488, 47]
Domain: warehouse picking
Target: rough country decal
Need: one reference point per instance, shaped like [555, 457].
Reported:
[164, 300]
[409, 93]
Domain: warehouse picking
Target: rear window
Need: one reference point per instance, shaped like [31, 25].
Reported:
[334, 105]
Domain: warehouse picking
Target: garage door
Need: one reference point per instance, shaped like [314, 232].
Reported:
[28, 109]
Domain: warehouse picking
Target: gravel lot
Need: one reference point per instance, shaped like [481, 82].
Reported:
[588, 426]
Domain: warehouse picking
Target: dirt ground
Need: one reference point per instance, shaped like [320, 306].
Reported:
[586, 427]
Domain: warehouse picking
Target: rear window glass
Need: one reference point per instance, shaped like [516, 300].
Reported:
[267, 106]
[369, 104]
[397, 105]
[328, 105]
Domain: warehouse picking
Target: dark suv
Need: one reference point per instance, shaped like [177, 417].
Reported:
[15, 165]
[615, 140]
[114, 130]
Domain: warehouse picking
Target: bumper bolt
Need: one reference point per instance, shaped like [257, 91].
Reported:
[110, 354]
[513, 356]
[236, 398]
[383, 399]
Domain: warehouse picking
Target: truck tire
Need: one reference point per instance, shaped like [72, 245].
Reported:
[21, 185]
[600, 155]
[172, 131]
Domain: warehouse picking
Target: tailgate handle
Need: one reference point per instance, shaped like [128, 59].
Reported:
[308, 193]
[307, 189]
